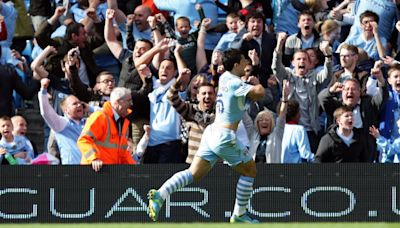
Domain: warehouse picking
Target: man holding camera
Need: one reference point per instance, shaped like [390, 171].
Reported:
[76, 36]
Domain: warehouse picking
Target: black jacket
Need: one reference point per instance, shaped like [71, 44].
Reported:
[9, 81]
[332, 148]
[40, 8]
[53, 65]
[265, 52]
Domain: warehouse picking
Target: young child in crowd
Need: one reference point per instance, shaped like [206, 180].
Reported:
[16, 145]
[389, 148]
[20, 129]
[233, 23]
[184, 36]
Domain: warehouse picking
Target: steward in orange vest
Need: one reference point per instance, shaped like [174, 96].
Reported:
[100, 139]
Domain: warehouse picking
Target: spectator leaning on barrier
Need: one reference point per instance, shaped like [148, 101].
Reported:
[104, 139]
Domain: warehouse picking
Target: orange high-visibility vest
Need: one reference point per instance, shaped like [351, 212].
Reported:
[100, 139]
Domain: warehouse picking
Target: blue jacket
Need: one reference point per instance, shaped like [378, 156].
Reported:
[387, 121]
[387, 115]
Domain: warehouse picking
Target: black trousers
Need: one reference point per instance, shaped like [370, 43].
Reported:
[314, 141]
[169, 152]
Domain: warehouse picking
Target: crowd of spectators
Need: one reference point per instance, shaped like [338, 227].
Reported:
[136, 82]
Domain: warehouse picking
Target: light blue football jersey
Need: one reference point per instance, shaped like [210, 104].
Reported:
[231, 99]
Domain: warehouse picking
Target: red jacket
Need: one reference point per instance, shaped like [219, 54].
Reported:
[3, 31]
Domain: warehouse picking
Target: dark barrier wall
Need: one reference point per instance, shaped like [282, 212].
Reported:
[329, 192]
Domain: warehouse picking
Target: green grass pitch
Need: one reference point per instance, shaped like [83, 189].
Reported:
[208, 225]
